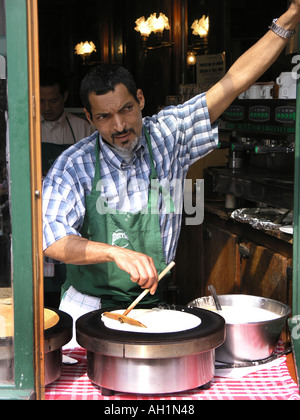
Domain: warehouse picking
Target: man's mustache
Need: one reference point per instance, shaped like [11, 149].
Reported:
[122, 133]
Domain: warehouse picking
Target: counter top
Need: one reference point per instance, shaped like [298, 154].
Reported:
[217, 208]
[273, 382]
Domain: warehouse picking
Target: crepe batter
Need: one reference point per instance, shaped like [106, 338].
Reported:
[156, 320]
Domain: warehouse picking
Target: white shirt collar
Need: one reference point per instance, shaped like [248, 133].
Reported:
[61, 119]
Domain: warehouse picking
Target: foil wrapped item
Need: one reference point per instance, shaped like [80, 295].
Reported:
[265, 218]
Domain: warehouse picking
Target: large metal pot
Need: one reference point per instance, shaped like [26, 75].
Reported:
[150, 363]
[248, 341]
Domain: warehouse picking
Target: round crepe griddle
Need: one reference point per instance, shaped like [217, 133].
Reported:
[156, 321]
[95, 336]
[51, 318]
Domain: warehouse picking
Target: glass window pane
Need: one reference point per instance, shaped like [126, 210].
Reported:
[6, 306]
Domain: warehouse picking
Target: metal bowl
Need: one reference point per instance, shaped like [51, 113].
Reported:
[248, 341]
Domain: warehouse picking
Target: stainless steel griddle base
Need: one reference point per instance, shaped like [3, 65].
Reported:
[150, 376]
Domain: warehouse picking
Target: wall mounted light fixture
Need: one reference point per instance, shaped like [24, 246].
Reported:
[191, 58]
[199, 46]
[85, 49]
[156, 25]
[201, 27]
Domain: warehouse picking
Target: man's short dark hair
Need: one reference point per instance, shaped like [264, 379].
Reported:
[103, 79]
[50, 76]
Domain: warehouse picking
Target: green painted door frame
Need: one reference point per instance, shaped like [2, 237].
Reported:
[18, 113]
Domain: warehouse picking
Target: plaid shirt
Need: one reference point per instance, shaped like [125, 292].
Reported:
[179, 136]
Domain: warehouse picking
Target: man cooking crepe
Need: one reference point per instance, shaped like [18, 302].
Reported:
[105, 208]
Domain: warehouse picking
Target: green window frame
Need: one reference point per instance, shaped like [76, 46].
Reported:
[23, 386]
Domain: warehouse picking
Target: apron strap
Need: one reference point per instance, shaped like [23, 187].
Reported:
[155, 187]
[153, 174]
[71, 129]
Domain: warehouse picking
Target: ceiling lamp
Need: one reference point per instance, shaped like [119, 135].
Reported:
[201, 27]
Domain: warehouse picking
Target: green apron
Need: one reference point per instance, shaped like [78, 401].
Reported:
[136, 231]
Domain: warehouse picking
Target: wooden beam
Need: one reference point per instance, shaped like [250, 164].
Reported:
[36, 196]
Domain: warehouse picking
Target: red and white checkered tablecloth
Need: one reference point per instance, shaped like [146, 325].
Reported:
[272, 383]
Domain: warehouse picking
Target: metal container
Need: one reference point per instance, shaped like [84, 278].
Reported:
[252, 340]
[55, 338]
[150, 363]
[6, 359]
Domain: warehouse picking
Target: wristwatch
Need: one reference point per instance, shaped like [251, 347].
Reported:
[283, 33]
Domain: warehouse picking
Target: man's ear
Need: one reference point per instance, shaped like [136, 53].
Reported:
[88, 116]
[66, 95]
[141, 98]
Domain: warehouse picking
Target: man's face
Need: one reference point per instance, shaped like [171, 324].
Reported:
[52, 102]
[117, 116]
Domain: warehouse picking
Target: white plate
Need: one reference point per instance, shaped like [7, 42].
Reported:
[156, 320]
[287, 229]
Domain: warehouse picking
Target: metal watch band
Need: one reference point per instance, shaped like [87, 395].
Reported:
[283, 33]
